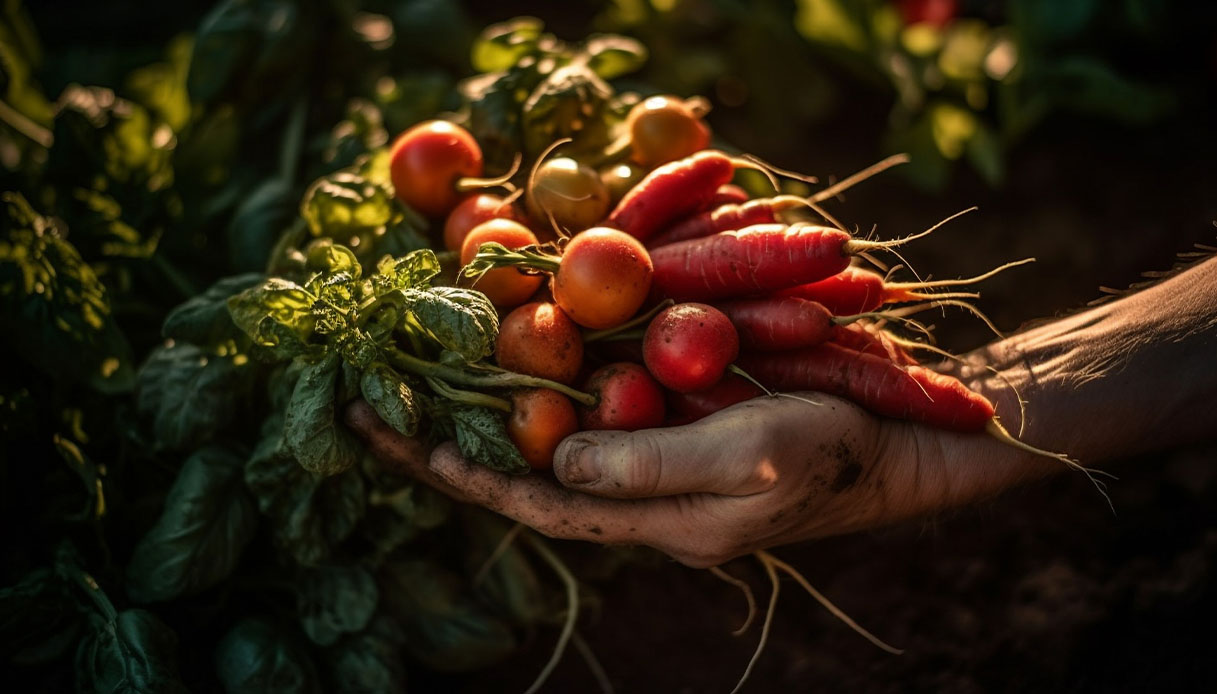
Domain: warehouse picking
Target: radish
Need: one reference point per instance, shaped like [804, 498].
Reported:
[688, 346]
[692, 406]
[627, 399]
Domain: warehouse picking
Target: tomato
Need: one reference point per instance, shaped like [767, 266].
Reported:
[620, 178]
[664, 129]
[472, 211]
[688, 346]
[540, 419]
[426, 162]
[628, 399]
[603, 278]
[539, 340]
[571, 192]
[938, 13]
[505, 286]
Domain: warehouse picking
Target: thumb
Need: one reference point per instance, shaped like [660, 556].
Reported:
[659, 462]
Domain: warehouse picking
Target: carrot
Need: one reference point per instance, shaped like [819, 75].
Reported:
[759, 259]
[870, 339]
[731, 389]
[672, 191]
[855, 290]
[912, 393]
[779, 323]
[726, 218]
[727, 194]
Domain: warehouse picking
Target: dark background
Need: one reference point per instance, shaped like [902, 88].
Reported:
[1043, 589]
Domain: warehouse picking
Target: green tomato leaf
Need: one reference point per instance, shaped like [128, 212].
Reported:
[496, 102]
[309, 515]
[190, 396]
[482, 438]
[392, 399]
[207, 520]
[611, 56]
[334, 600]
[132, 653]
[311, 428]
[570, 102]
[460, 320]
[445, 629]
[256, 657]
[370, 662]
[501, 45]
[204, 320]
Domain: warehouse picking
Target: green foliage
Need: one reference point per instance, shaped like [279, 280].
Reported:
[370, 662]
[311, 430]
[131, 652]
[392, 399]
[204, 319]
[256, 657]
[334, 600]
[197, 542]
[189, 396]
[482, 438]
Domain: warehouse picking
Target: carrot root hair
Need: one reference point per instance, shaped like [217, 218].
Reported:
[919, 286]
[572, 608]
[765, 625]
[997, 431]
[852, 247]
[856, 178]
[748, 596]
[467, 184]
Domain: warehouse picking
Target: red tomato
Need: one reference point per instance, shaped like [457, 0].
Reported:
[505, 286]
[540, 419]
[426, 162]
[688, 346]
[604, 277]
[472, 211]
[539, 340]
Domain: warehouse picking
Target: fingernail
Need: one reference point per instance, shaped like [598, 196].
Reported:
[582, 464]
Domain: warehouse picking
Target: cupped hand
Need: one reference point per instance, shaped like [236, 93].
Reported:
[763, 473]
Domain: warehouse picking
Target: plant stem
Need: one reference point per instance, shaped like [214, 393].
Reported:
[21, 123]
[467, 397]
[505, 379]
[572, 607]
[639, 320]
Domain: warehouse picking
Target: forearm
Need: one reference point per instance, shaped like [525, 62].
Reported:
[1134, 375]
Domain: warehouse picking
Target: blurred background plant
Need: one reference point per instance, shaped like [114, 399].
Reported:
[149, 149]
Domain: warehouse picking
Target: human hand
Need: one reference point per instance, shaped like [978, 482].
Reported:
[763, 473]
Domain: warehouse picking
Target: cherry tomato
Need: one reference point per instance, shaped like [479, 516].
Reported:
[504, 286]
[664, 129]
[571, 192]
[472, 211]
[603, 278]
[628, 399]
[426, 162]
[539, 340]
[540, 419]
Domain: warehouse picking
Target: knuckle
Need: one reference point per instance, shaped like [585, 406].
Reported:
[640, 467]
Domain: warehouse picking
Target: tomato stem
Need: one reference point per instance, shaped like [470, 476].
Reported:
[467, 397]
[634, 322]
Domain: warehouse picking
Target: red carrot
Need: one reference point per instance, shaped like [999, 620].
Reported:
[730, 390]
[727, 194]
[855, 290]
[779, 323]
[869, 339]
[913, 393]
[755, 260]
[726, 218]
[671, 192]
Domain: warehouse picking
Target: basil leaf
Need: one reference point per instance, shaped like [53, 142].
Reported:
[255, 657]
[313, 435]
[334, 600]
[392, 399]
[325, 256]
[189, 396]
[460, 320]
[345, 205]
[309, 515]
[569, 103]
[39, 618]
[275, 302]
[411, 272]
[370, 662]
[204, 320]
[500, 46]
[134, 652]
[207, 520]
[445, 629]
[611, 56]
[482, 438]
[259, 221]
